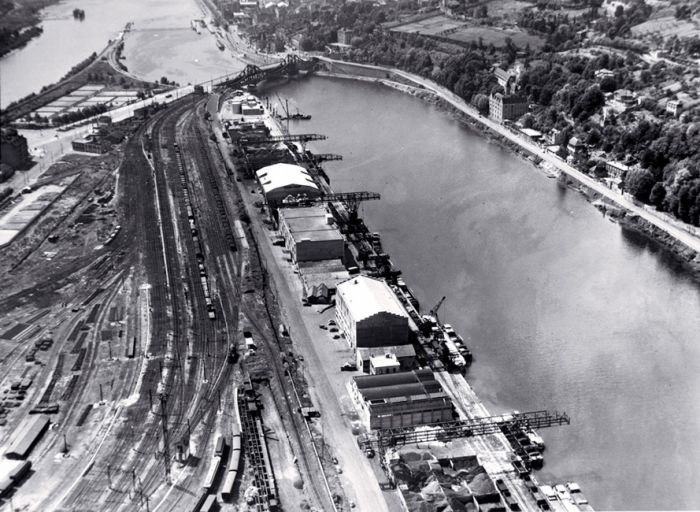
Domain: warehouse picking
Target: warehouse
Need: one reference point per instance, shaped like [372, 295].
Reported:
[309, 234]
[404, 399]
[286, 182]
[369, 314]
[26, 436]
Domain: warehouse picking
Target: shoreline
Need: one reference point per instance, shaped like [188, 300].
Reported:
[688, 257]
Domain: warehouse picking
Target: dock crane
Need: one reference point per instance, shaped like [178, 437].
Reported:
[436, 307]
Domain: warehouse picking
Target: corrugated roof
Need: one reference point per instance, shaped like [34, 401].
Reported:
[278, 176]
[370, 381]
[366, 296]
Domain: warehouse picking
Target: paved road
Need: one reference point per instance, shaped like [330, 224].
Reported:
[680, 234]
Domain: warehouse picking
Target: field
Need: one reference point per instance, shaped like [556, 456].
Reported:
[462, 32]
[433, 26]
[666, 27]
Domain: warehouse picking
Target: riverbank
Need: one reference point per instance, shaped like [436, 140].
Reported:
[18, 23]
[684, 245]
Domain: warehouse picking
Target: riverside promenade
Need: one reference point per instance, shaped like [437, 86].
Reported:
[673, 228]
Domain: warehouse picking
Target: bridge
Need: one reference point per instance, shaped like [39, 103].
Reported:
[253, 74]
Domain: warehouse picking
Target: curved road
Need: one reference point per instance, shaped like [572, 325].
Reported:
[690, 240]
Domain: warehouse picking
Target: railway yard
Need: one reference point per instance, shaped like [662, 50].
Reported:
[162, 346]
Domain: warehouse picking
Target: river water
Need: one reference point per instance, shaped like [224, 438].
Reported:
[161, 44]
[562, 309]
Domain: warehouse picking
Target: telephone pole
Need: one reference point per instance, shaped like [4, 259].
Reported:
[166, 448]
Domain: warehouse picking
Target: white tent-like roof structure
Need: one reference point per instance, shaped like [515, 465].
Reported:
[281, 176]
[366, 297]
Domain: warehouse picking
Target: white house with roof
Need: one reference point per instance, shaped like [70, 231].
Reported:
[286, 181]
[370, 314]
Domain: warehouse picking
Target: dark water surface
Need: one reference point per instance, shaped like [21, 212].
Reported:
[562, 309]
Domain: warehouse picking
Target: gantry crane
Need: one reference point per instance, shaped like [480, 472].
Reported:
[385, 438]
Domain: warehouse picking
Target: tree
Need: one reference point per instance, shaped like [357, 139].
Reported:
[639, 183]
[481, 102]
[608, 84]
[657, 195]
[306, 44]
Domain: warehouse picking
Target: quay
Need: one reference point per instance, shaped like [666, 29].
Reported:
[503, 448]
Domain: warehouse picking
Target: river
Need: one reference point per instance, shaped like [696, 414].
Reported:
[561, 308]
[161, 43]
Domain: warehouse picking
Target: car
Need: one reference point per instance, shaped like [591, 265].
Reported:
[348, 367]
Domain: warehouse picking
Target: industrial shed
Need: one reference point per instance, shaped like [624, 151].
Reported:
[369, 314]
[26, 436]
[283, 181]
[309, 234]
[402, 399]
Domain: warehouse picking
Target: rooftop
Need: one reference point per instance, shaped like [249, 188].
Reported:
[279, 176]
[396, 350]
[390, 386]
[366, 296]
[384, 361]
[309, 223]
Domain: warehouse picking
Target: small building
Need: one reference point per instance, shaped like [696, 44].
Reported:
[673, 107]
[532, 134]
[604, 73]
[405, 355]
[622, 100]
[616, 169]
[575, 146]
[90, 144]
[404, 399]
[369, 313]
[282, 182]
[309, 234]
[320, 279]
[345, 36]
[502, 108]
[14, 150]
[383, 364]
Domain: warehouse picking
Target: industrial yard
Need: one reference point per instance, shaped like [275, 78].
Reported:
[197, 321]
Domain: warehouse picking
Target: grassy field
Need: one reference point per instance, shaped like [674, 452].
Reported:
[430, 26]
[497, 36]
[463, 32]
[667, 26]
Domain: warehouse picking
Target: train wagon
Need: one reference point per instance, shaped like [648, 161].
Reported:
[26, 436]
[6, 484]
[220, 445]
[211, 474]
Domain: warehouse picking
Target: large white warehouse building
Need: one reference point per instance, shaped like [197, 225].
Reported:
[282, 181]
[370, 314]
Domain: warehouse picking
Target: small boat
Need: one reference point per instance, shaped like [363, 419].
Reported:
[220, 45]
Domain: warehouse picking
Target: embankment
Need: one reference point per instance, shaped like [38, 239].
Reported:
[689, 257]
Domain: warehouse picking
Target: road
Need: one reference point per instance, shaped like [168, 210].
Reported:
[690, 240]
